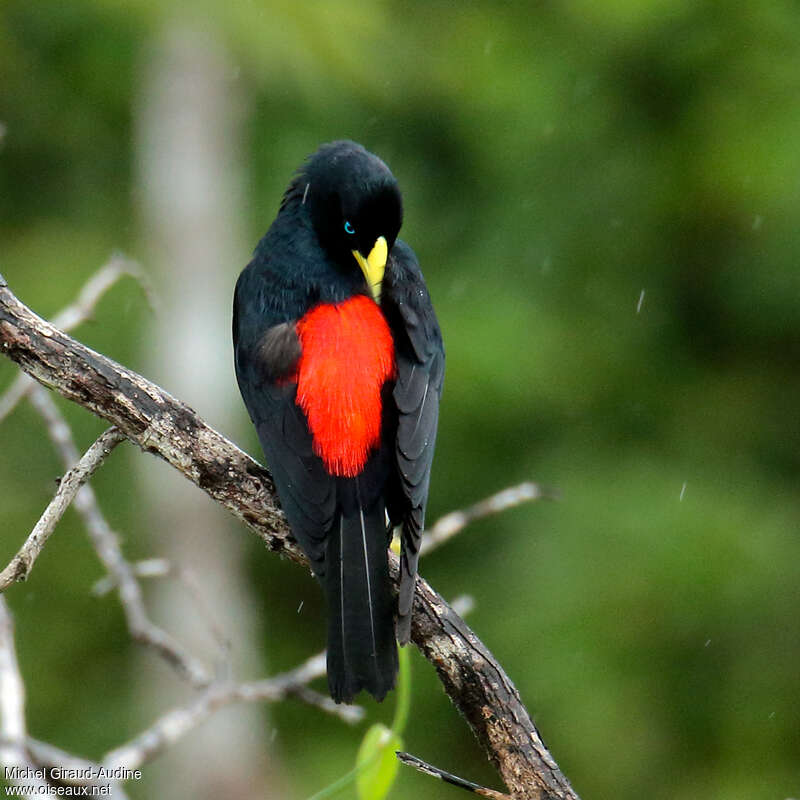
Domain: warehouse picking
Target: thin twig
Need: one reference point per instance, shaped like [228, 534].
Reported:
[463, 604]
[449, 525]
[145, 568]
[16, 748]
[47, 755]
[21, 564]
[173, 725]
[13, 734]
[15, 393]
[56, 761]
[117, 267]
[169, 728]
[161, 568]
[107, 547]
[294, 683]
[447, 777]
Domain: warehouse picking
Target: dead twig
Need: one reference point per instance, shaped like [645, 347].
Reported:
[146, 568]
[80, 311]
[17, 750]
[24, 758]
[117, 267]
[161, 568]
[57, 762]
[447, 777]
[21, 564]
[446, 527]
[106, 545]
[173, 725]
[13, 732]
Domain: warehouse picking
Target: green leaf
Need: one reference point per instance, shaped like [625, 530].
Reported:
[376, 762]
[403, 701]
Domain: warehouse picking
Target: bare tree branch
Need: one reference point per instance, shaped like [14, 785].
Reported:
[146, 568]
[463, 604]
[446, 527]
[164, 426]
[447, 777]
[117, 267]
[160, 568]
[173, 725]
[47, 755]
[16, 748]
[13, 732]
[54, 758]
[19, 750]
[81, 310]
[20, 566]
[106, 545]
[15, 393]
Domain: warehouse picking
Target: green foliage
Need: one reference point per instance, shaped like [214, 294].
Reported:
[376, 763]
[376, 757]
[556, 161]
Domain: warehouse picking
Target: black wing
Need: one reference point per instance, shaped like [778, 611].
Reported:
[419, 355]
[265, 355]
[339, 522]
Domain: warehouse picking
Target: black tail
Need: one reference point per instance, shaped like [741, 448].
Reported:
[362, 653]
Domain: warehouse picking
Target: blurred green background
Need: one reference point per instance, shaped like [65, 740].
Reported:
[604, 198]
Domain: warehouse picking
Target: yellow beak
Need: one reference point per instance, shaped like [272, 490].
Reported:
[374, 265]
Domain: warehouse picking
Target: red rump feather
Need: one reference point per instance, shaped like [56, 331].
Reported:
[347, 356]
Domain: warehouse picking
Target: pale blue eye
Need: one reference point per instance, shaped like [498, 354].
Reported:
[348, 228]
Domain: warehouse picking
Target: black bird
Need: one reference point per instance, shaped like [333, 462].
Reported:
[340, 363]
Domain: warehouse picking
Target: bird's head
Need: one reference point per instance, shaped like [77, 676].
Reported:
[355, 208]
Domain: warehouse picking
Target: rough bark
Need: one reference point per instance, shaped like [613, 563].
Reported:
[166, 427]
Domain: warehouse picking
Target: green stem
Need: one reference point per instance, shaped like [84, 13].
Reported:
[403, 703]
[340, 783]
[401, 711]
